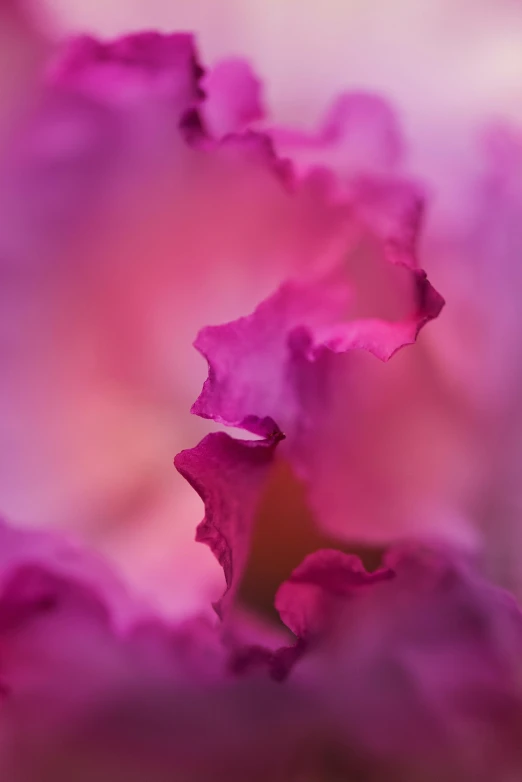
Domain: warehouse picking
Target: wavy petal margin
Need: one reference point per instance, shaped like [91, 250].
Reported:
[250, 359]
[233, 97]
[229, 475]
[146, 65]
[278, 364]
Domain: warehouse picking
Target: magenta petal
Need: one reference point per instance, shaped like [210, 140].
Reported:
[233, 98]
[139, 66]
[253, 361]
[229, 475]
[249, 360]
[313, 594]
[44, 551]
[297, 359]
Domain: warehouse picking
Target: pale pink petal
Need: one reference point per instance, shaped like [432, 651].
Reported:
[250, 360]
[280, 364]
[384, 229]
[359, 134]
[298, 361]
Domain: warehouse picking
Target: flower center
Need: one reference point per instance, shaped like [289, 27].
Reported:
[285, 532]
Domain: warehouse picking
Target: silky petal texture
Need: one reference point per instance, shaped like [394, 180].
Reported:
[449, 68]
[41, 550]
[456, 490]
[229, 475]
[469, 381]
[281, 363]
[233, 98]
[446, 63]
[379, 528]
[418, 444]
[421, 664]
[305, 317]
[109, 276]
[359, 134]
[470, 378]
[140, 66]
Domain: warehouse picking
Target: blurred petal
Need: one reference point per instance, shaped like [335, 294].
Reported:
[143, 66]
[424, 670]
[249, 360]
[472, 246]
[281, 363]
[233, 98]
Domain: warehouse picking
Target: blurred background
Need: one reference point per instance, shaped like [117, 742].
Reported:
[440, 62]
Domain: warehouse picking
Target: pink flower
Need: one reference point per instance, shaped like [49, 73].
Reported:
[113, 349]
[139, 202]
[420, 441]
[432, 437]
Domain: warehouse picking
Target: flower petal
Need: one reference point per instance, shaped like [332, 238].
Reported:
[249, 359]
[142, 66]
[229, 475]
[311, 596]
[233, 98]
[295, 359]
